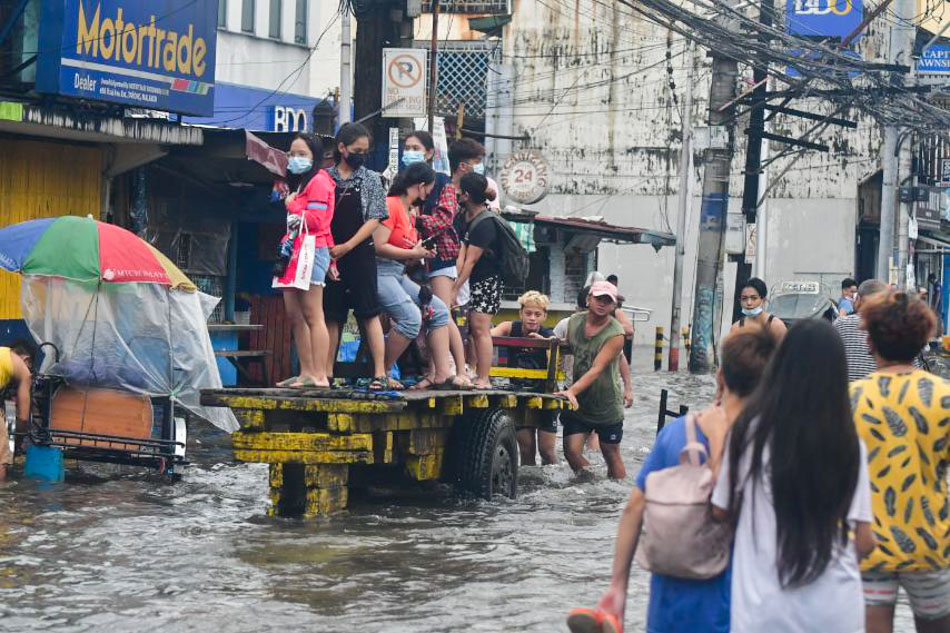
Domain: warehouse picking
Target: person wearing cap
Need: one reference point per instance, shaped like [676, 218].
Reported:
[596, 340]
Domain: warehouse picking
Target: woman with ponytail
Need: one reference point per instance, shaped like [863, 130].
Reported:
[397, 246]
[360, 206]
[484, 272]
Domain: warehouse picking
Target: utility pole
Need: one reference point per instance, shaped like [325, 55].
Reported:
[712, 217]
[378, 26]
[434, 66]
[346, 69]
[896, 158]
[686, 155]
[753, 155]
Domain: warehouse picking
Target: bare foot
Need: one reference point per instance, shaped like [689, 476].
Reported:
[482, 384]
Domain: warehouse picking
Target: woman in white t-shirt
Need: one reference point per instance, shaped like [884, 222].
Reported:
[794, 482]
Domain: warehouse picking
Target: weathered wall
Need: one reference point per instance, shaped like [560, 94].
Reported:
[592, 91]
[43, 180]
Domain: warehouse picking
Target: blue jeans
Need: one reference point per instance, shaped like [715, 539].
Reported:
[399, 298]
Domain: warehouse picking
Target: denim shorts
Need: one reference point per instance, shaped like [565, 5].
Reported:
[442, 268]
[321, 264]
[399, 298]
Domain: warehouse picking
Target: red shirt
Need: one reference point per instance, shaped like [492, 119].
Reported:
[404, 234]
[315, 205]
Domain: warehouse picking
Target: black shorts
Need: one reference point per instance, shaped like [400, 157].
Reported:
[608, 433]
[486, 295]
[356, 288]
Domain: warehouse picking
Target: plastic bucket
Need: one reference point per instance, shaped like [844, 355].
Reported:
[44, 463]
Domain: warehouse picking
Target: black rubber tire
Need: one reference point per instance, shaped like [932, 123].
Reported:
[486, 453]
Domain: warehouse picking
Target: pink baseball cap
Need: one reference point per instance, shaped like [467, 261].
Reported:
[601, 288]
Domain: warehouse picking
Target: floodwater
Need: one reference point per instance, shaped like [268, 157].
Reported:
[109, 551]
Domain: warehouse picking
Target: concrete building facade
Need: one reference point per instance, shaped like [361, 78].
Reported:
[598, 90]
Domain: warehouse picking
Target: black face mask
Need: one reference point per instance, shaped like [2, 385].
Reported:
[355, 160]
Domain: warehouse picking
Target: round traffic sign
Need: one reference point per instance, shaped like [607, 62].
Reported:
[405, 71]
[525, 176]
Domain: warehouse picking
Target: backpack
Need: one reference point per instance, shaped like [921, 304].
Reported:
[514, 257]
[680, 537]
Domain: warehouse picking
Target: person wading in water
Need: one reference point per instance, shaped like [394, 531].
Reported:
[596, 340]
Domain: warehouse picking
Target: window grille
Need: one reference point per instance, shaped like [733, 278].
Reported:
[463, 77]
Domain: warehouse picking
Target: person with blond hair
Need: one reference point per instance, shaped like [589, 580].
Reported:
[533, 312]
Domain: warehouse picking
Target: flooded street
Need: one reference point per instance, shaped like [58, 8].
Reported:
[129, 554]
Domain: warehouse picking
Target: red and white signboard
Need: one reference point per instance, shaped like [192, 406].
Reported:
[404, 82]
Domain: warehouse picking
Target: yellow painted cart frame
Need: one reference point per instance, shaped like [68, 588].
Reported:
[314, 439]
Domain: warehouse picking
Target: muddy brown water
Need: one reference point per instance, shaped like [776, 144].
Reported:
[113, 551]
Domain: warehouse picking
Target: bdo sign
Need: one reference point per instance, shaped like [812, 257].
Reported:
[157, 55]
[823, 18]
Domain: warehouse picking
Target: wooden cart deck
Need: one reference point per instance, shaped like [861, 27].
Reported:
[315, 439]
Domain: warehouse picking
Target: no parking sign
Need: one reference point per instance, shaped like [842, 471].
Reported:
[404, 77]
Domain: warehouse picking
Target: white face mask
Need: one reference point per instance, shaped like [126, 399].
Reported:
[753, 312]
[479, 169]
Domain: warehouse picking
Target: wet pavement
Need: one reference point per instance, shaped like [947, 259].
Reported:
[109, 551]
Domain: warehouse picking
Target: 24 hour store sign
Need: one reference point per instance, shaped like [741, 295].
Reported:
[157, 55]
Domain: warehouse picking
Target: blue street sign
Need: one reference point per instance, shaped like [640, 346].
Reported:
[935, 59]
[157, 55]
[823, 18]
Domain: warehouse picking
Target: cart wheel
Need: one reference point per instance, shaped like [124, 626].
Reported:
[487, 453]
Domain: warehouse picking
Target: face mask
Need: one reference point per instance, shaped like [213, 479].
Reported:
[754, 312]
[412, 156]
[479, 169]
[299, 164]
[355, 160]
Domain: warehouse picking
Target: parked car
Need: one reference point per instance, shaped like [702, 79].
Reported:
[796, 300]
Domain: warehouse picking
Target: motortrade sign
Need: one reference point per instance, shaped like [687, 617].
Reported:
[157, 55]
[824, 18]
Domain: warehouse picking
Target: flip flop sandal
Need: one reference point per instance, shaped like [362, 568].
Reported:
[585, 621]
[378, 383]
[612, 624]
[287, 383]
[422, 385]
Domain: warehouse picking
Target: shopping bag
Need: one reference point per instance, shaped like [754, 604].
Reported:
[300, 268]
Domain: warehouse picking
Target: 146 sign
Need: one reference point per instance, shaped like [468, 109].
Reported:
[524, 176]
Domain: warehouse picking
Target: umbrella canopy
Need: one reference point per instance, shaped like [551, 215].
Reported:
[85, 249]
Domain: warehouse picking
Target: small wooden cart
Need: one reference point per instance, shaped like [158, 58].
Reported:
[320, 442]
[317, 442]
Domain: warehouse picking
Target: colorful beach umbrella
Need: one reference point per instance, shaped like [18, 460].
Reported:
[85, 249]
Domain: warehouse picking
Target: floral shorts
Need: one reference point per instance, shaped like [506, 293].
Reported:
[486, 295]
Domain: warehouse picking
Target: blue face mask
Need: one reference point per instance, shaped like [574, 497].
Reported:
[299, 164]
[412, 156]
[479, 169]
[754, 312]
